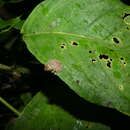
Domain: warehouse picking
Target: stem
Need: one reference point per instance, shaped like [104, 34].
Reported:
[9, 106]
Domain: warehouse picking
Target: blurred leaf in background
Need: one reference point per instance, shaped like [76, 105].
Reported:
[2, 2]
[40, 115]
[6, 25]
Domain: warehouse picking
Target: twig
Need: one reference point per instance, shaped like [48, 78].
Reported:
[9, 106]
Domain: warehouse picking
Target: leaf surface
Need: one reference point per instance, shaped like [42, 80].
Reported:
[87, 44]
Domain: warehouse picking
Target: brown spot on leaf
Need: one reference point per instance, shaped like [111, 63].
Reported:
[54, 66]
[77, 81]
[109, 103]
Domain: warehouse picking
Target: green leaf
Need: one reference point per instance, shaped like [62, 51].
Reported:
[39, 115]
[6, 25]
[87, 44]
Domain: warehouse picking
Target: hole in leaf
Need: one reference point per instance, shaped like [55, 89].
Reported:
[125, 15]
[102, 56]
[116, 40]
[93, 60]
[74, 43]
[126, 18]
[109, 64]
[121, 58]
[90, 51]
[62, 46]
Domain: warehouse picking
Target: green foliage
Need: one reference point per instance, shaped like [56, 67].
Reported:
[2, 2]
[40, 115]
[6, 25]
[85, 43]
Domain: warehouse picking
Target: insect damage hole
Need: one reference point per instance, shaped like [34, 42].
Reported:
[109, 64]
[74, 44]
[90, 51]
[93, 60]
[127, 19]
[103, 56]
[125, 15]
[116, 40]
[54, 66]
[121, 58]
[62, 46]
